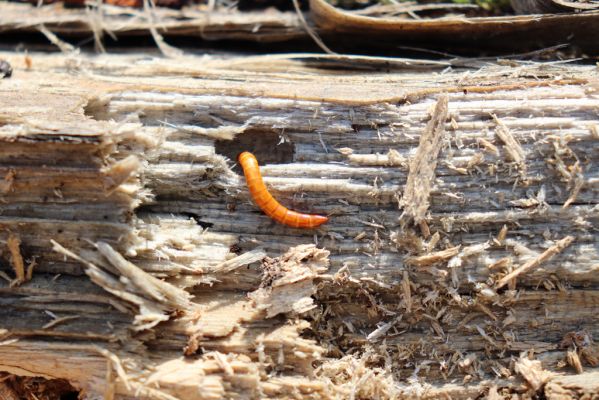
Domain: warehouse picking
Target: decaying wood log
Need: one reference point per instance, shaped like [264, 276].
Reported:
[196, 21]
[547, 23]
[156, 277]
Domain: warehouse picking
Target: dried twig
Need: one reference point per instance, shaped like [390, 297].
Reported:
[311, 31]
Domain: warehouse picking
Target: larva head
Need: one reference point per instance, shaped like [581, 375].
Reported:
[246, 155]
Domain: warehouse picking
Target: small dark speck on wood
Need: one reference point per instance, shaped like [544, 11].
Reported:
[5, 69]
[416, 195]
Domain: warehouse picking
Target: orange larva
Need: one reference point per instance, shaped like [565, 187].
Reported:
[267, 203]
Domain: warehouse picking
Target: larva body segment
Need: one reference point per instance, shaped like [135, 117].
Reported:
[269, 204]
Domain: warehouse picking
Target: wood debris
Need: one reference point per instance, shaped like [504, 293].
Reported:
[433, 258]
[488, 146]
[288, 282]
[557, 248]
[415, 200]
[407, 292]
[574, 360]
[532, 371]
[502, 234]
[16, 259]
[154, 297]
[392, 158]
[514, 149]
[58, 321]
[580, 348]
[161, 246]
[7, 393]
[7, 183]
[239, 261]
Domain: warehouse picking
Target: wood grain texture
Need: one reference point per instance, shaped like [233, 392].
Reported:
[171, 276]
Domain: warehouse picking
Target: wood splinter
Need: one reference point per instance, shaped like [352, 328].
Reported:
[557, 248]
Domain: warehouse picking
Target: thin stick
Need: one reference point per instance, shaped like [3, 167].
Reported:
[557, 248]
[311, 31]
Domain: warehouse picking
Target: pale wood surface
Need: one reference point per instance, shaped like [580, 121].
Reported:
[126, 156]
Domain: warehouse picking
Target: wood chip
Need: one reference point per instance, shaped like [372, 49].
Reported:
[433, 258]
[407, 293]
[578, 183]
[574, 360]
[488, 146]
[120, 172]
[502, 234]
[558, 247]
[532, 372]
[7, 183]
[416, 195]
[391, 159]
[16, 259]
[239, 261]
[512, 146]
[501, 263]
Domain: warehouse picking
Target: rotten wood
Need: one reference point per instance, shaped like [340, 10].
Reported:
[169, 279]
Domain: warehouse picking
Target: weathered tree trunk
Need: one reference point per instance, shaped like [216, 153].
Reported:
[460, 258]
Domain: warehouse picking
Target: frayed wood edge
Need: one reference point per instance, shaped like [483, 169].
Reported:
[153, 298]
[239, 261]
[115, 363]
[119, 172]
[149, 11]
[136, 389]
[288, 281]
[160, 291]
[64, 47]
